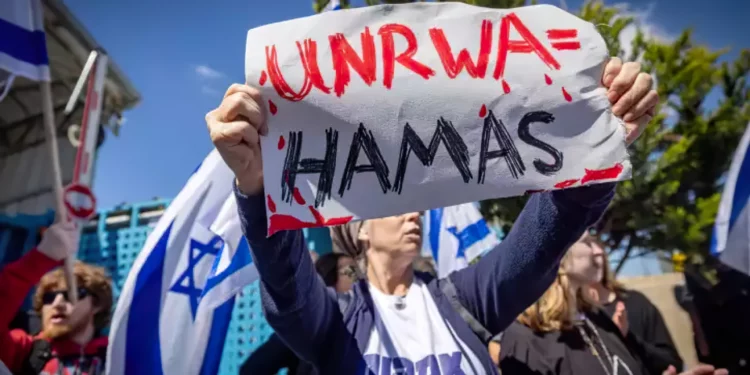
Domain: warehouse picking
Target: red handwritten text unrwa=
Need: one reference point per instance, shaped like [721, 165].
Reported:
[348, 61]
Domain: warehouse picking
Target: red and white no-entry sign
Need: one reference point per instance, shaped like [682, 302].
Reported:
[80, 201]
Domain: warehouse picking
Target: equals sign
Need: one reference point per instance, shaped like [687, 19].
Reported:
[564, 39]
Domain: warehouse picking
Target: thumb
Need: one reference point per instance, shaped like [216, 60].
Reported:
[633, 129]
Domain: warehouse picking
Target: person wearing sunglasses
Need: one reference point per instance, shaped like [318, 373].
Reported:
[70, 341]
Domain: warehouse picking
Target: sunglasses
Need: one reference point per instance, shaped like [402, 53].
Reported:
[49, 297]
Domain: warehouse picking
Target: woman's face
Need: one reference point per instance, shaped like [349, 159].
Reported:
[585, 263]
[345, 277]
[397, 236]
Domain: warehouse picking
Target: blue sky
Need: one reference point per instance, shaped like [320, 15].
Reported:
[182, 57]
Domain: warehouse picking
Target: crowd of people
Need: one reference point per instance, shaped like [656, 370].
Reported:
[543, 302]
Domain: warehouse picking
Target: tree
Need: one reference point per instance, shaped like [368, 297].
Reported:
[671, 202]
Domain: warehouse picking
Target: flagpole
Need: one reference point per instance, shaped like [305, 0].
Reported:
[57, 186]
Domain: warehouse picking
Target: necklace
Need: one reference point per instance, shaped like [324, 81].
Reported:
[587, 339]
[400, 304]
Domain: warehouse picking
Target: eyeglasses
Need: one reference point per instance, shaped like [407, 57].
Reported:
[49, 297]
[347, 271]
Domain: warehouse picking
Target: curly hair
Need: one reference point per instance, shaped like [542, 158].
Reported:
[93, 278]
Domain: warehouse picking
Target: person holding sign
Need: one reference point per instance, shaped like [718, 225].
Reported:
[398, 321]
[70, 340]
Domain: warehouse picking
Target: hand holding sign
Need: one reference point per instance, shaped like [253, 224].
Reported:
[412, 112]
[631, 94]
[235, 128]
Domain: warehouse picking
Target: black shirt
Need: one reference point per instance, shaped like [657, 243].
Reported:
[647, 333]
[270, 358]
[524, 352]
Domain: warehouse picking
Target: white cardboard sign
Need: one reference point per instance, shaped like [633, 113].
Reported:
[390, 109]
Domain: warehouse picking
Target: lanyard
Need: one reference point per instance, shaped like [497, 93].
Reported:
[582, 329]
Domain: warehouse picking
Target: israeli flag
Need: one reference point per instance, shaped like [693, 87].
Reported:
[456, 235]
[731, 234]
[174, 310]
[332, 5]
[23, 48]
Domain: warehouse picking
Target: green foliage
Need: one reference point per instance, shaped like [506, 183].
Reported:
[671, 202]
[678, 162]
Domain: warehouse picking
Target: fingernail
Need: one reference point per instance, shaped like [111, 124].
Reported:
[628, 117]
[612, 96]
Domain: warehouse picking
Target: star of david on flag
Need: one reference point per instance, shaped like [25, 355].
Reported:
[456, 235]
[174, 310]
[186, 282]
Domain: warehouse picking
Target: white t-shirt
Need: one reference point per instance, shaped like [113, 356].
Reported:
[415, 339]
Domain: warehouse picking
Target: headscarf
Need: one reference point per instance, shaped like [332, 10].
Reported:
[345, 240]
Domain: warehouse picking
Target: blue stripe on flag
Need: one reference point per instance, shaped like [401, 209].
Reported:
[436, 217]
[196, 168]
[741, 190]
[21, 44]
[714, 243]
[143, 349]
[217, 338]
[240, 259]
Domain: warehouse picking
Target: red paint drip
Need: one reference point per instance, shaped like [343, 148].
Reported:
[263, 77]
[271, 107]
[566, 183]
[270, 203]
[602, 174]
[316, 214]
[483, 111]
[298, 196]
[506, 88]
[281, 143]
[566, 95]
[287, 222]
[547, 79]
[339, 220]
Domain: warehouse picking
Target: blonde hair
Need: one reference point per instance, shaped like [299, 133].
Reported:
[93, 278]
[555, 310]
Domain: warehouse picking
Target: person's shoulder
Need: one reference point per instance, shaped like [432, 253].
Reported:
[519, 332]
[20, 336]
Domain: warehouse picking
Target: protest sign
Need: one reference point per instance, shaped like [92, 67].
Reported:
[389, 109]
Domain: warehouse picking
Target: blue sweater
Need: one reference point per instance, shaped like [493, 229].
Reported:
[306, 315]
